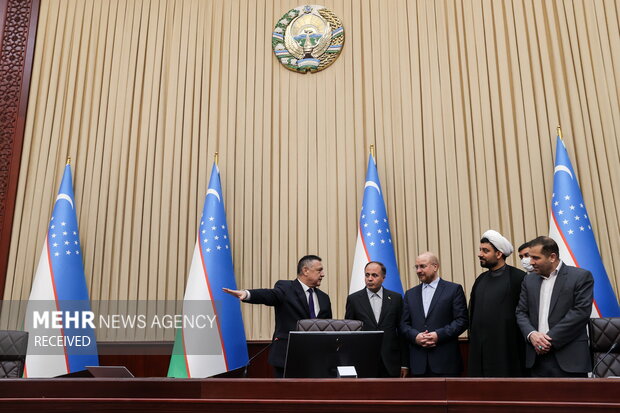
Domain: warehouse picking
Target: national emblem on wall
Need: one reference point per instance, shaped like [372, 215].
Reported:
[308, 39]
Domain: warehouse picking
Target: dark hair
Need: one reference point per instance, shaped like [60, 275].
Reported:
[524, 246]
[549, 246]
[380, 264]
[486, 241]
[305, 261]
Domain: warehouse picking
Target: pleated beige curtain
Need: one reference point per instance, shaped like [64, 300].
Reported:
[461, 99]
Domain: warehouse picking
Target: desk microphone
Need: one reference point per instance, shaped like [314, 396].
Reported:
[245, 370]
[612, 348]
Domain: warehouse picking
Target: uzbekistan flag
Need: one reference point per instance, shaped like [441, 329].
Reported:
[571, 228]
[212, 339]
[66, 344]
[374, 239]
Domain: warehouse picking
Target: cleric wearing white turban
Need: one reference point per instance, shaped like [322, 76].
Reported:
[499, 242]
[496, 347]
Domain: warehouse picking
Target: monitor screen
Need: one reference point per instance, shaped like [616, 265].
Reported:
[317, 354]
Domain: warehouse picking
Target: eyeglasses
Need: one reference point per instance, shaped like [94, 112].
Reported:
[423, 266]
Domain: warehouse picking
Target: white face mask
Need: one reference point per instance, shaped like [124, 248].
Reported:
[525, 262]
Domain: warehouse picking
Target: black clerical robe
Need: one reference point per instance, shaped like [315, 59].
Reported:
[496, 346]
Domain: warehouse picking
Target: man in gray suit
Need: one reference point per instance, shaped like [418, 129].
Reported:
[553, 312]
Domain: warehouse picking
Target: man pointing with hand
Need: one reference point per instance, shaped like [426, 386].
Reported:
[293, 300]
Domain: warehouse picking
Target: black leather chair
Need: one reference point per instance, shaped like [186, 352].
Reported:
[604, 332]
[322, 324]
[13, 346]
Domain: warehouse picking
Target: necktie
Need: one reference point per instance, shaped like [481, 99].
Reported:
[311, 303]
[376, 306]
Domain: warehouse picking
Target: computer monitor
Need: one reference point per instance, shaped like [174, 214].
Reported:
[317, 354]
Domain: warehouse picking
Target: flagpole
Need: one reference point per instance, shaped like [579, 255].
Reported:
[68, 160]
[216, 157]
[560, 132]
[380, 246]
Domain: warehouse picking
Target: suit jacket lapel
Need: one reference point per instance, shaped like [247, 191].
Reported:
[557, 287]
[534, 312]
[321, 298]
[436, 297]
[418, 294]
[301, 296]
[385, 306]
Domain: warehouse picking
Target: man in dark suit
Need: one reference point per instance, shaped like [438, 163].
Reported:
[293, 300]
[381, 309]
[553, 313]
[434, 315]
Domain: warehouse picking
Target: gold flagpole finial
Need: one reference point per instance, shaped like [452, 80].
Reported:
[216, 158]
[560, 132]
[372, 151]
[68, 160]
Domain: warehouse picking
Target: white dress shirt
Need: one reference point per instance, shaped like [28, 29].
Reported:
[546, 289]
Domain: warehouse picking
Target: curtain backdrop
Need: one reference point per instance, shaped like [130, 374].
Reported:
[460, 98]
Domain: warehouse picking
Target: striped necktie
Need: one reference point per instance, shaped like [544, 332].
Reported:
[311, 303]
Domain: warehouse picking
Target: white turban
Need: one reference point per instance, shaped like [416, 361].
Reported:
[499, 242]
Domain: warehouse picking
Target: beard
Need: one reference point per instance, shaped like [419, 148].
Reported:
[487, 264]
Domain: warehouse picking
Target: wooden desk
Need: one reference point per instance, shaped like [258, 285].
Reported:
[151, 359]
[300, 396]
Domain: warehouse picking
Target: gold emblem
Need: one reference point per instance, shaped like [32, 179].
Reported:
[308, 39]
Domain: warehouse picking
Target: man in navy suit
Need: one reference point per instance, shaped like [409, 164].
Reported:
[293, 300]
[434, 315]
[380, 310]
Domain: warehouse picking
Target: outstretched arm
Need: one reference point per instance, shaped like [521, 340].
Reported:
[240, 294]
[268, 296]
